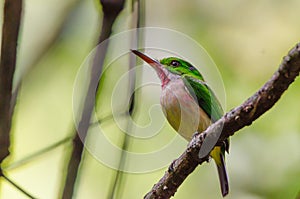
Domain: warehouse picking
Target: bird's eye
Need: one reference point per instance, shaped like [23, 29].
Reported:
[175, 63]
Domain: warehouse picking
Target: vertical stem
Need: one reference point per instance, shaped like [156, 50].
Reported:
[10, 33]
[111, 10]
[137, 39]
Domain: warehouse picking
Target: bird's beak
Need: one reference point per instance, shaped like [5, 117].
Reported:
[154, 63]
[159, 68]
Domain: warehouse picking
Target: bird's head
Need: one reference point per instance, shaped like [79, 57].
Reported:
[170, 67]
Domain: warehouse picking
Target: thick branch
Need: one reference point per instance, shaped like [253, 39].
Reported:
[231, 122]
[10, 32]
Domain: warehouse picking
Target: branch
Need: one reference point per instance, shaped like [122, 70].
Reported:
[111, 10]
[10, 32]
[231, 122]
[138, 21]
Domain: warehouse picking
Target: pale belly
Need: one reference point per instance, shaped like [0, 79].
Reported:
[182, 111]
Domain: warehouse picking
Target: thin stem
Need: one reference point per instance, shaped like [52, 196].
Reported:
[10, 34]
[18, 187]
[33, 156]
[111, 10]
[117, 188]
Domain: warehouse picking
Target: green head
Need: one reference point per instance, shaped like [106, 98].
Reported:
[180, 67]
[170, 66]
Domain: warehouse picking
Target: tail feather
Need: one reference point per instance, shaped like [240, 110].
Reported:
[223, 175]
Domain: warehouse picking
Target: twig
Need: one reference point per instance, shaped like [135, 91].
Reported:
[231, 122]
[18, 187]
[117, 188]
[111, 10]
[37, 154]
[10, 32]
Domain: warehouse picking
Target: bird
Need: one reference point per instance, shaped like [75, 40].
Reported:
[189, 104]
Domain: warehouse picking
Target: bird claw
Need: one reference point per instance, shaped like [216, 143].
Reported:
[171, 167]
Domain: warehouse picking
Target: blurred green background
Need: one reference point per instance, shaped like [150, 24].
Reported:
[246, 39]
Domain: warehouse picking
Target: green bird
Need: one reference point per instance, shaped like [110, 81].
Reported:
[189, 104]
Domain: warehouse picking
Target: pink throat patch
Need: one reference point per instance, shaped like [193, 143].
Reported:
[163, 77]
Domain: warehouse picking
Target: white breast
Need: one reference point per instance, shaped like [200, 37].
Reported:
[181, 110]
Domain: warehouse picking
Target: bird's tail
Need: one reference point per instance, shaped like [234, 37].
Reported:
[218, 156]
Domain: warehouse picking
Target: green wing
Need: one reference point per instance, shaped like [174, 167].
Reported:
[204, 96]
